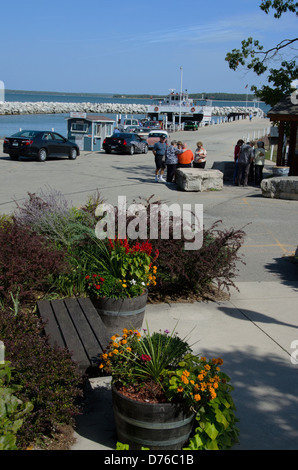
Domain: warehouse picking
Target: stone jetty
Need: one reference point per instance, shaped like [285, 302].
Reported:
[49, 107]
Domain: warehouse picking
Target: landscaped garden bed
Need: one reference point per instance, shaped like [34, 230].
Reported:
[47, 248]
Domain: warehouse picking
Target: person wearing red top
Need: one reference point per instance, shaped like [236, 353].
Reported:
[236, 156]
[185, 158]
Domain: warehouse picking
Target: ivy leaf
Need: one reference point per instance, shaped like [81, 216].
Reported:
[211, 430]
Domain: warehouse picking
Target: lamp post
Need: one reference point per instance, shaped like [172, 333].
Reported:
[181, 73]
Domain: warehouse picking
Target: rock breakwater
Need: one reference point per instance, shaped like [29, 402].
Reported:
[49, 107]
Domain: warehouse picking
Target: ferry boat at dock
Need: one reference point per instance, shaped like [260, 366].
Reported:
[176, 106]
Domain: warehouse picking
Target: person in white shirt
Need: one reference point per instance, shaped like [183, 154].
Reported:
[259, 161]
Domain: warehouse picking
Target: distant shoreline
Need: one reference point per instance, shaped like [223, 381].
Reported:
[231, 97]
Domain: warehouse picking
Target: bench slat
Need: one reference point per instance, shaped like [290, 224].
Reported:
[75, 324]
[51, 326]
[88, 339]
[70, 334]
[95, 322]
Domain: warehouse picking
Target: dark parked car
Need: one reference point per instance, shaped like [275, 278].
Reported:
[125, 142]
[191, 126]
[40, 145]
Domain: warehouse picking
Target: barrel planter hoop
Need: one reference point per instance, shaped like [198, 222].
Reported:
[117, 314]
[157, 426]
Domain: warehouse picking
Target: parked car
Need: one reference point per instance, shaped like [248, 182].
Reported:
[125, 142]
[39, 145]
[132, 129]
[191, 126]
[143, 132]
[152, 124]
[154, 136]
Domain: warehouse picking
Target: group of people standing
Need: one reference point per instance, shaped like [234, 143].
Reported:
[249, 162]
[176, 155]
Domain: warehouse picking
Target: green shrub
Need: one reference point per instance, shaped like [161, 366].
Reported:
[12, 410]
[47, 376]
[26, 260]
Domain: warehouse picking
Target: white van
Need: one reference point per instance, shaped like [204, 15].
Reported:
[130, 122]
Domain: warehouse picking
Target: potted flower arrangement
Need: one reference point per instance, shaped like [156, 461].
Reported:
[119, 288]
[165, 395]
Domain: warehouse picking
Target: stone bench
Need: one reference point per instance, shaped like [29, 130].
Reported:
[282, 187]
[197, 179]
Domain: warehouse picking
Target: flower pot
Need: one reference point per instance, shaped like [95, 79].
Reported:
[117, 314]
[157, 426]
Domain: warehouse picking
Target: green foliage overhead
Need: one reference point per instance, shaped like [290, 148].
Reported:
[252, 56]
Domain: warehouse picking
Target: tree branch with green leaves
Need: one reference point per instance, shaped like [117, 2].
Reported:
[252, 56]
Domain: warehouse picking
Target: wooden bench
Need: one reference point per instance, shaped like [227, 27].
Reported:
[74, 324]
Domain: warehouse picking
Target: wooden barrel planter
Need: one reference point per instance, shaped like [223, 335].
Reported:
[117, 314]
[157, 426]
[280, 170]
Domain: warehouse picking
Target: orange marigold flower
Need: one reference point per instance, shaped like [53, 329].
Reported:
[180, 389]
[197, 397]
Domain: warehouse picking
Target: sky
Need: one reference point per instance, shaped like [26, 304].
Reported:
[132, 46]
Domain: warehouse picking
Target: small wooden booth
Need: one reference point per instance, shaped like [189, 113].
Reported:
[89, 130]
[285, 112]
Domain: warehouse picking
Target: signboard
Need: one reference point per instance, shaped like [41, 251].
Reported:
[78, 115]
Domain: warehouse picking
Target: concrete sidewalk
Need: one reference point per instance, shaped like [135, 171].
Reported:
[253, 333]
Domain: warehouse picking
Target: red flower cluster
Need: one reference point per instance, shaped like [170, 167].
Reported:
[145, 357]
[98, 281]
[144, 247]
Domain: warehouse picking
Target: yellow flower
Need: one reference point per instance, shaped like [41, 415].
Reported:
[197, 397]
[203, 358]
[128, 349]
[124, 285]
[101, 366]
[207, 367]
[186, 373]
[115, 351]
[125, 331]
[104, 356]
[180, 389]
[123, 341]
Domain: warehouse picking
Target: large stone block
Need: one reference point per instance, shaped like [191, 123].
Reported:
[283, 187]
[197, 179]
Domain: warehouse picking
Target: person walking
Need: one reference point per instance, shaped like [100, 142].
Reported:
[159, 151]
[259, 161]
[200, 156]
[246, 156]
[186, 157]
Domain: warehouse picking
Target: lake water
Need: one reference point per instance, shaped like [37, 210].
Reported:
[9, 124]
